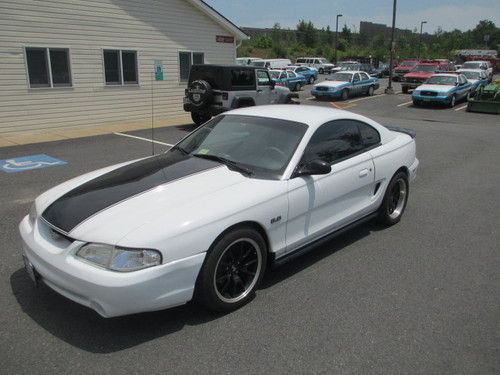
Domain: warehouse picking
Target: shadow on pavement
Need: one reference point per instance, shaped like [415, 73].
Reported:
[85, 329]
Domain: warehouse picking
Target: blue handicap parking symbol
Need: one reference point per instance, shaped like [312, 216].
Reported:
[26, 163]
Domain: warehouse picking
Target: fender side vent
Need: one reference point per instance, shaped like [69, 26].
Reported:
[377, 186]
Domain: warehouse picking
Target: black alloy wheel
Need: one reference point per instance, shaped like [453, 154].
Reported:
[395, 199]
[232, 271]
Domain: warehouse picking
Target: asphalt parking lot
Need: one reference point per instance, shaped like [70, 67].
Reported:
[421, 297]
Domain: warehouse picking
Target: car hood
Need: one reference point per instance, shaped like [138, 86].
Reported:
[332, 84]
[108, 206]
[439, 88]
[419, 75]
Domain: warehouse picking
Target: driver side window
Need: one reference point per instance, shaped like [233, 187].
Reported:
[333, 142]
[263, 78]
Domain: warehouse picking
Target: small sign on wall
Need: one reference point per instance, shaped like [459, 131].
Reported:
[158, 70]
[224, 39]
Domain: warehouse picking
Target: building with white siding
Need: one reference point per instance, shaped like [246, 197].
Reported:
[81, 63]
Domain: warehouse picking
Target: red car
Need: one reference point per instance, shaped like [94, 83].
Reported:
[405, 67]
[422, 72]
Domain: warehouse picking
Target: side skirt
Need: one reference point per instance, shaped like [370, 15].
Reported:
[308, 247]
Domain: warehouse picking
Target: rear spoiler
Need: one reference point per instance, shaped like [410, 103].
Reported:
[412, 133]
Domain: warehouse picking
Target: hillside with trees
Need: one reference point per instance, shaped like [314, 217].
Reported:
[306, 40]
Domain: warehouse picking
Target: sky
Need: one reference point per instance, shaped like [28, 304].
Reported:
[447, 14]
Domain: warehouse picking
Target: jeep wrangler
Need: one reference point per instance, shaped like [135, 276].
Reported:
[213, 89]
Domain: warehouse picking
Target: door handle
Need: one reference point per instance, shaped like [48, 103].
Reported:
[363, 172]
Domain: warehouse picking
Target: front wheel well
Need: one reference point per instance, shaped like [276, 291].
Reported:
[405, 170]
[246, 224]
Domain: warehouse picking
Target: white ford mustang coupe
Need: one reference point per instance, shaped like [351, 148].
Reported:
[250, 187]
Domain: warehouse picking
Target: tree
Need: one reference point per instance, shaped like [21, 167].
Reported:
[346, 34]
[307, 34]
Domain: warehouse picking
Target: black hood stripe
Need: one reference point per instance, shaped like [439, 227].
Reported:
[120, 184]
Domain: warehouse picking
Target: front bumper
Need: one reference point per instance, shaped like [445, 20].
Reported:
[109, 293]
[431, 99]
[326, 94]
[413, 170]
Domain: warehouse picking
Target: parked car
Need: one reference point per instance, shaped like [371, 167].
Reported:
[442, 88]
[422, 72]
[344, 65]
[320, 63]
[311, 74]
[344, 84]
[475, 77]
[271, 63]
[382, 71]
[251, 187]
[483, 65]
[246, 60]
[287, 78]
[406, 66]
[213, 89]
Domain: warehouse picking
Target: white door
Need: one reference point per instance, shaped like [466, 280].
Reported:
[324, 203]
[264, 89]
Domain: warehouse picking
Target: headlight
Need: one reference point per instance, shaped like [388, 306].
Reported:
[119, 259]
[416, 92]
[445, 93]
[33, 214]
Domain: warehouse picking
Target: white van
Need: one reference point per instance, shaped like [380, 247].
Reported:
[321, 64]
[271, 63]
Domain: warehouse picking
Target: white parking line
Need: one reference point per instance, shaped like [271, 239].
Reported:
[144, 139]
[403, 104]
[366, 97]
[460, 108]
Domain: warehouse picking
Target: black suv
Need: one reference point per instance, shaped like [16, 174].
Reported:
[213, 89]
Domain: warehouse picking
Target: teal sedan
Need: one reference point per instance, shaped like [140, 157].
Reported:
[344, 84]
[288, 79]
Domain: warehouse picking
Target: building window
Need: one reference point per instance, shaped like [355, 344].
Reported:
[186, 59]
[48, 67]
[120, 67]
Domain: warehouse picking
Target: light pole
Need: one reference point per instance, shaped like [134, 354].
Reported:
[389, 89]
[420, 38]
[337, 35]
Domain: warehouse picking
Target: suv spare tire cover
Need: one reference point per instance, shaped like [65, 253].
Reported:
[200, 93]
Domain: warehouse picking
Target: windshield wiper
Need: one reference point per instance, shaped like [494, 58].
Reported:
[229, 163]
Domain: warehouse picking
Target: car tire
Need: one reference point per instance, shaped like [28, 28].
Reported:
[395, 199]
[344, 95]
[453, 101]
[321, 71]
[311, 80]
[370, 91]
[297, 87]
[200, 118]
[232, 270]
[404, 89]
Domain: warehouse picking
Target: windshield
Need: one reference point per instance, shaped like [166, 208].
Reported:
[408, 63]
[346, 64]
[425, 68]
[263, 146]
[343, 77]
[275, 74]
[442, 80]
[472, 65]
[259, 64]
[471, 75]
[324, 61]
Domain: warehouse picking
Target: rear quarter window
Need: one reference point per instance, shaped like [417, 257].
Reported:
[242, 79]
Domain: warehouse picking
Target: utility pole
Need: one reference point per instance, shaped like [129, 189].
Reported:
[420, 38]
[389, 89]
[337, 35]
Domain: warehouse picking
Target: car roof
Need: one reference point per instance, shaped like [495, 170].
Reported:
[313, 116]
[471, 70]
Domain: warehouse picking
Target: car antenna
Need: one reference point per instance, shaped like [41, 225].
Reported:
[152, 115]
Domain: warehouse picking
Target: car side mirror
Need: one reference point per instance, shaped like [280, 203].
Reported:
[313, 167]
